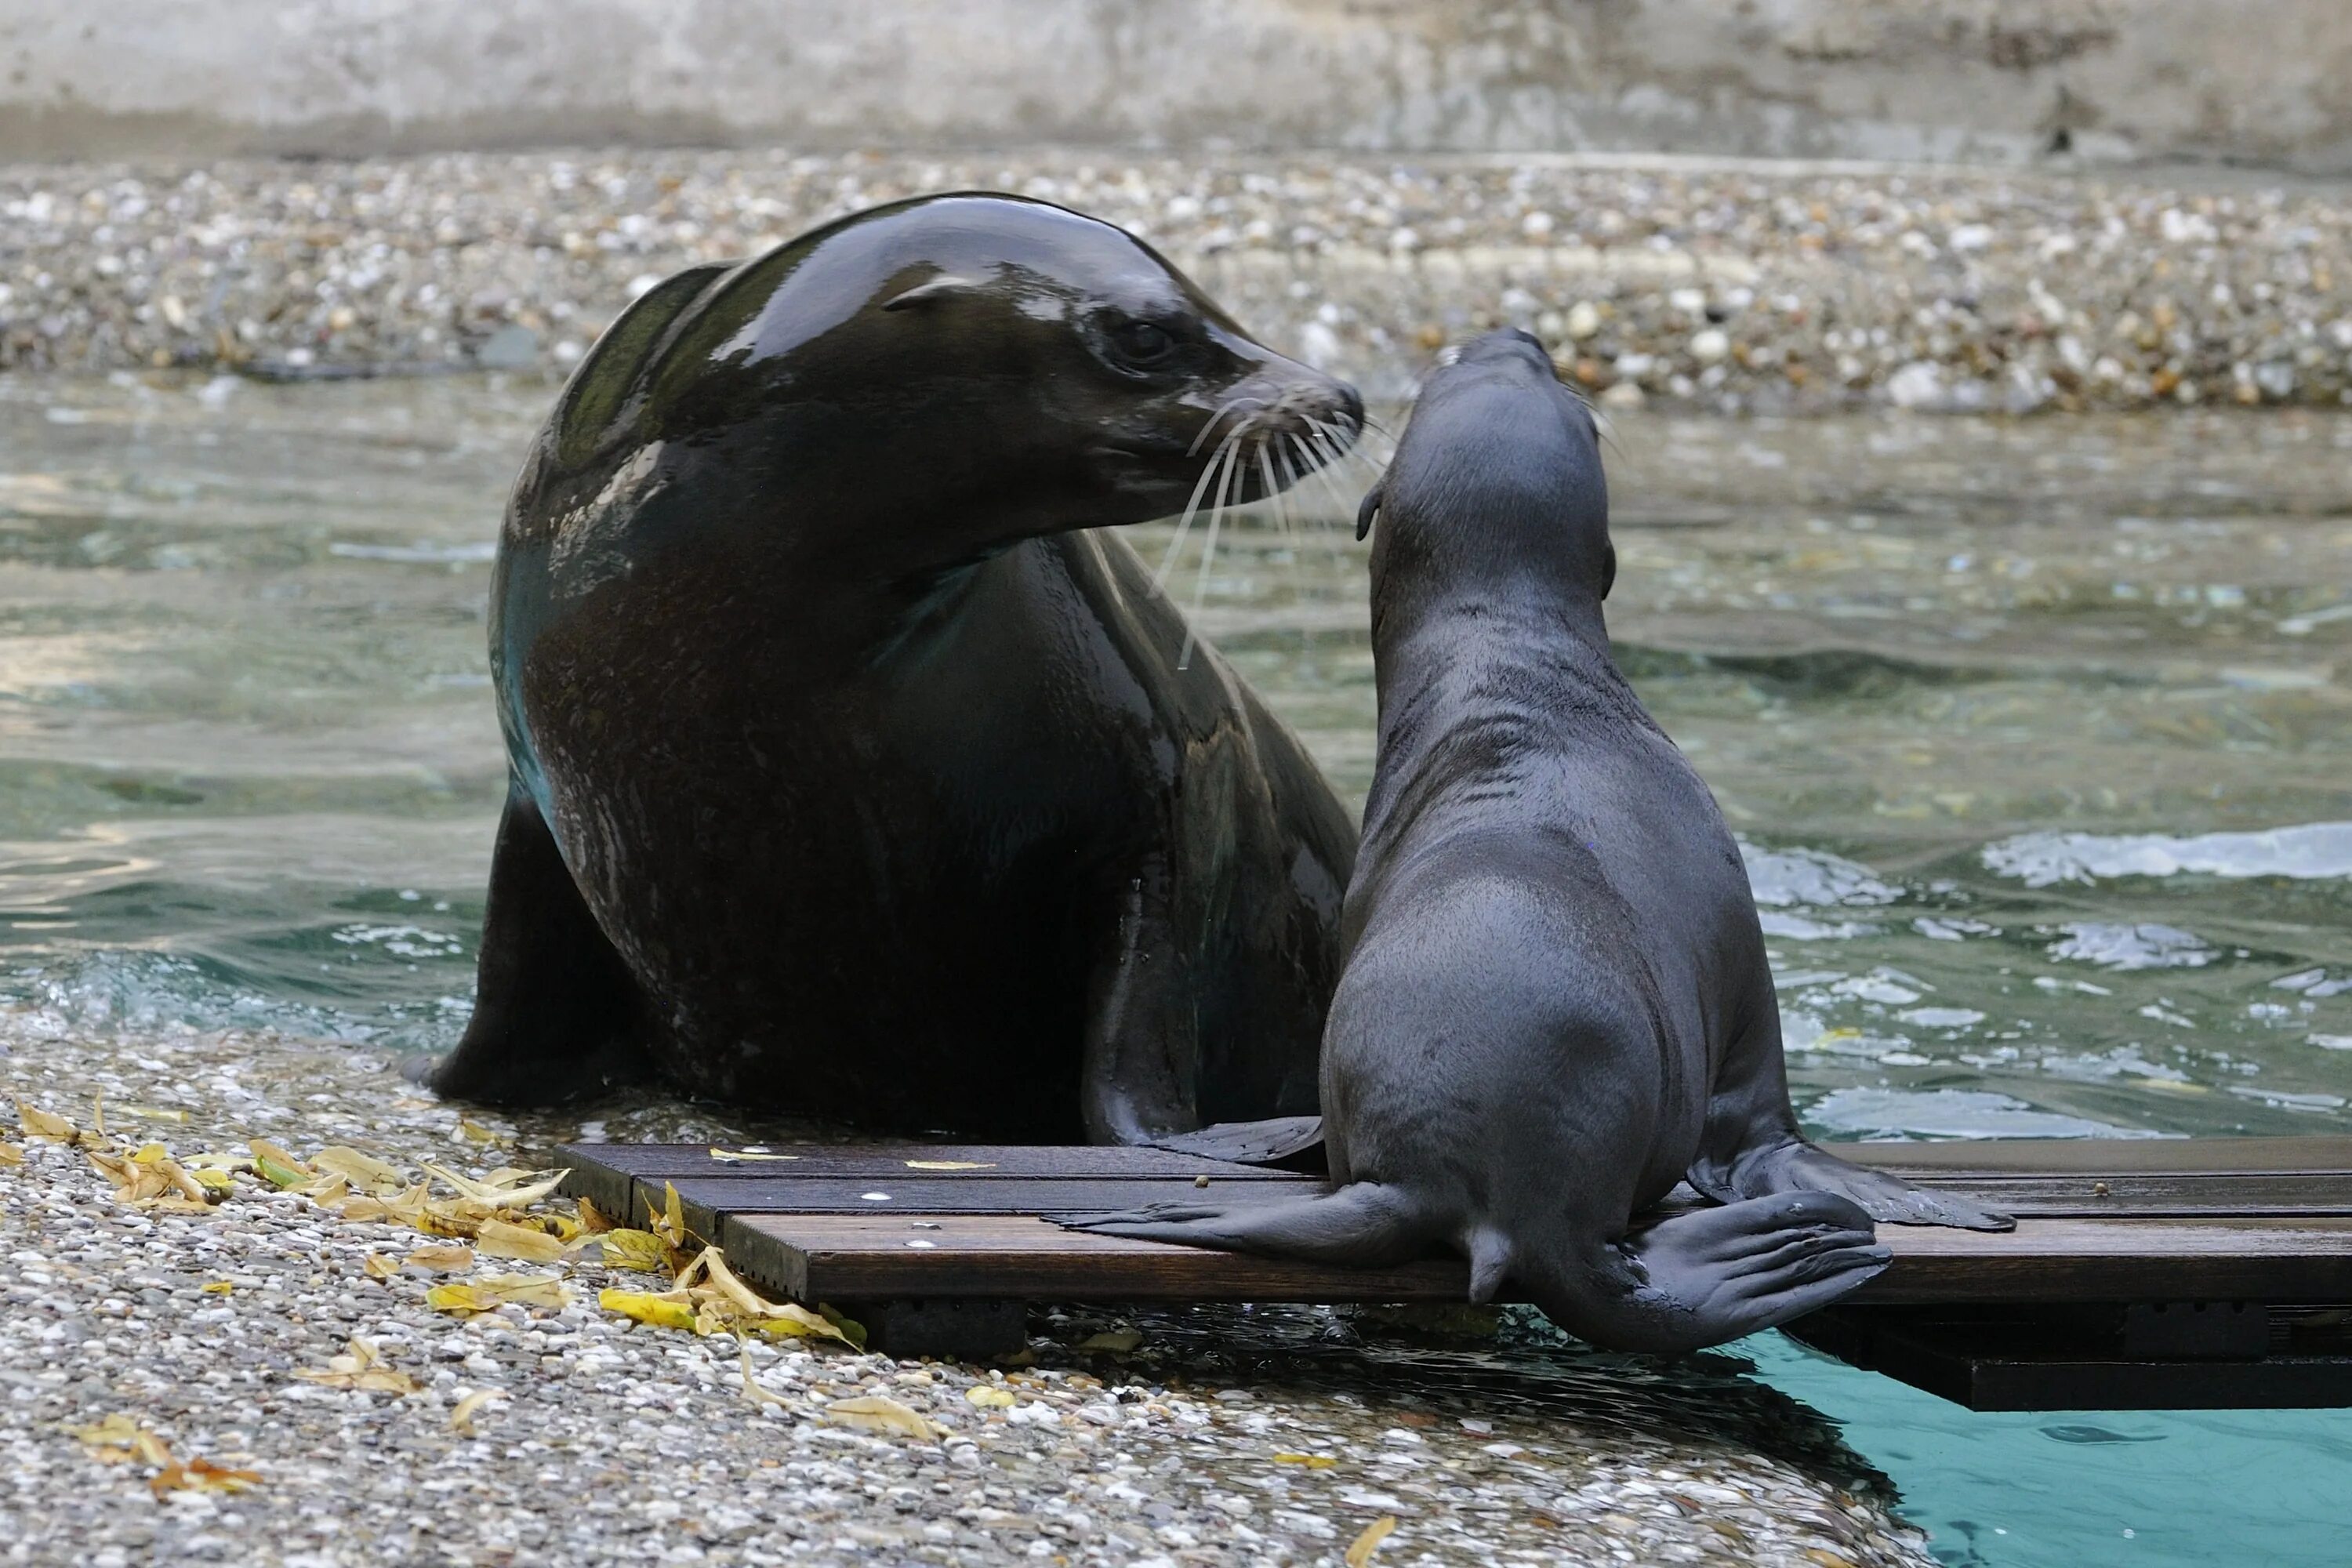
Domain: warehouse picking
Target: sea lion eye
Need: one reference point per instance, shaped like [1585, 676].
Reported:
[1141, 343]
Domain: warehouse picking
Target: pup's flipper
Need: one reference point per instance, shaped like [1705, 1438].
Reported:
[1796, 1166]
[1709, 1275]
[1365, 1226]
[1295, 1142]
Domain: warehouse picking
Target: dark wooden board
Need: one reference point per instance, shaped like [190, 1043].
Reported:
[835, 1256]
[2109, 1156]
[852, 1258]
[660, 1161]
[703, 1201]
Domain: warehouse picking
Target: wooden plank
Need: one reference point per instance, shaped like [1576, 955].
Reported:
[2124, 1195]
[704, 1199]
[852, 1256]
[658, 1163]
[2054, 1260]
[2109, 1156]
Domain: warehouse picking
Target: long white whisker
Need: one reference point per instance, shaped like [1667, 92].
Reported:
[1192, 507]
[1208, 555]
[1227, 406]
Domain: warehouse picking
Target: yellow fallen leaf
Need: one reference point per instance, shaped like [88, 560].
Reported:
[364, 1172]
[989, 1397]
[39, 1123]
[440, 1259]
[119, 1439]
[499, 1290]
[669, 1224]
[593, 1220]
[12, 1153]
[639, 1249]
[202, 1475]
[661, 1312]
[880, 1413]
[506, 1188]
[378, 1266]
[1118, 1341]
[496, 1238]
[151, 1113]
[475, 1133]
[746, 1156]
[462, 1417]
[362, 1367]
[951, 1165]
[752, 1389]
[217, 1287]
[1370, 1542]
[1312, 1461]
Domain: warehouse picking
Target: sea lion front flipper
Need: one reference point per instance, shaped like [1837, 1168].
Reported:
[1798, 1166]
[1752, 1148]
[556, 1014]
[1295, 1142]
[1363, 1226]
[1141, 1058]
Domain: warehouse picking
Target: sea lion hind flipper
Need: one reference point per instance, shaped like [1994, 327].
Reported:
[1706, 1276]
[1793, 1165]
[1363, 1226]
[556, 1012]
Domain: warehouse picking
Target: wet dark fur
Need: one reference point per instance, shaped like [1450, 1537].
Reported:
[1556, 1005]
[852, 773]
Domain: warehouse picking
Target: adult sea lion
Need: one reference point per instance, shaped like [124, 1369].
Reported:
[1556, 1005]
[852, 775]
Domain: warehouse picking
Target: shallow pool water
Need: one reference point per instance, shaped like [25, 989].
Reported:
[2036, 734]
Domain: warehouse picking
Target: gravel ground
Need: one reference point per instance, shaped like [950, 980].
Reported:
[1725, 286]
[1217, 1435]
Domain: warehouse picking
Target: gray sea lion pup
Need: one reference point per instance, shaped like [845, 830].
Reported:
[856, 771]
[1556, 1005]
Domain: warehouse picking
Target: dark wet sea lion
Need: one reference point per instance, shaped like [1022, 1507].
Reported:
[1556, 1005]
[852, 775]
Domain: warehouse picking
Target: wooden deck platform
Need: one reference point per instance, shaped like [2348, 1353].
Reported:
[2143, 1273]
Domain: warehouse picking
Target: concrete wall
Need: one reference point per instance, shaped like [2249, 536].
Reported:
[2267, 82]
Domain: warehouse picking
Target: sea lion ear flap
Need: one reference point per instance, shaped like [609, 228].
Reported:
[1371, 508]
[938, 288]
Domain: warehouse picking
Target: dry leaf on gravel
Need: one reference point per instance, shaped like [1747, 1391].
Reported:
[1118, 1342]
[202, 1475]
[362, 1367]
[462, 1417]
[498, 1238]
[1370, 1542]
[672, 1310]
[593, 1221]
[366, 1173]
[118, 1440]
[440, 1259]
[1312, 1461]
[39, 1123]
[639, 1249]
[880, 1413]
[988, 1397]
[951, 1165]
[12, 1153]
[496, 1291]
[752, 1389]
[378, 1266]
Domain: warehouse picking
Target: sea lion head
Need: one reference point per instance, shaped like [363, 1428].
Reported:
[974, 368]
[1497, 474]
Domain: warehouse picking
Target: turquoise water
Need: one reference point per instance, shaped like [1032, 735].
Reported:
[2036, 734]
